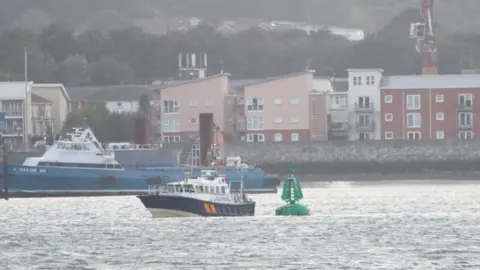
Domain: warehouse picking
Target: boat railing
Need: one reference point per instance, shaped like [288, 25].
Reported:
[157, 189]
[131, 147]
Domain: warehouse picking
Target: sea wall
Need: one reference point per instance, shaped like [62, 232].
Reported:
[385, 157]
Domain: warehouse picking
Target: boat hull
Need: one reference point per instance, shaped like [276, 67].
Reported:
[53, 182]
[177, 206]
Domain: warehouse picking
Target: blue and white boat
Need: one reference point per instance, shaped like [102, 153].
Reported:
[80, 166]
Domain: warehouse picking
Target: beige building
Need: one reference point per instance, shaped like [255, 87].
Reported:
[13, 97]
[59, 100]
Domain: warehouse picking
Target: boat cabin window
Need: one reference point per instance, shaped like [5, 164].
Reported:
[171, 189]
[223, 190]
[178, 188]
[199, 189]
[188, 188]
[217, 190]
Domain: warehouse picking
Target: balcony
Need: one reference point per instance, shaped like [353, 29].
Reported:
[465, 107]
[364, 108]
[465, 126]
[365, 126]
[338, 126]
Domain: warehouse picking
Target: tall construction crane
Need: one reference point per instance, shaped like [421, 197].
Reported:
[422, 31]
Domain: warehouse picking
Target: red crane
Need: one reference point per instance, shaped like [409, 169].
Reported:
[423, 32]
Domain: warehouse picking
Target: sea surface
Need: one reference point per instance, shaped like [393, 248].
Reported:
[380, 225]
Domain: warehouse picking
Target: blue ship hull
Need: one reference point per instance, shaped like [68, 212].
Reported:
[48, 181]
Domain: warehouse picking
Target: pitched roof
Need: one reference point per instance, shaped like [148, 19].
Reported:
[431, 81]
[240, 84]
[340, 84]
[108, 93]
[165, 84]
[39, 99]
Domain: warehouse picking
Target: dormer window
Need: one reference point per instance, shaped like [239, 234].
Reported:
[357, 80]
[370, 80]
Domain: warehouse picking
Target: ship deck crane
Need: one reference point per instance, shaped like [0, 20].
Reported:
[423, 32]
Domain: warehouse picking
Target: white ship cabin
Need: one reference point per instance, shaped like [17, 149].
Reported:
[82, 151]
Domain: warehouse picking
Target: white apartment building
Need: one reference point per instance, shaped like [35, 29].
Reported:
[13, 96]
[364, 104]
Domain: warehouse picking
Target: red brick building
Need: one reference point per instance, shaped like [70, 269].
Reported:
[430, 107]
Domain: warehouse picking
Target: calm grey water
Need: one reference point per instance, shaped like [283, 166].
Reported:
[399, 225]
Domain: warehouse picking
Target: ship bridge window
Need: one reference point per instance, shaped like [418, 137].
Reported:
[189, 188]
[178, 188]
[223, 190]
[217, 190]
[171, 189]
[199, 189]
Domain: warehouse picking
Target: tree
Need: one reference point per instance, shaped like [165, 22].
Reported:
[74, 71]
[110, 71]
[57, 42]
[108, 127]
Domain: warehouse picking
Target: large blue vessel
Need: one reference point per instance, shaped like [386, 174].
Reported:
[80, 166]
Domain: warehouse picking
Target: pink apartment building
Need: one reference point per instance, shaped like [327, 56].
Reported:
[179, 105]
[279, 109]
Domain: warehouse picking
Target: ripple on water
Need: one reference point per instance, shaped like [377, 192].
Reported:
[351, 227]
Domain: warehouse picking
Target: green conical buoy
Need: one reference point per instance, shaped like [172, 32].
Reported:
[292, 193]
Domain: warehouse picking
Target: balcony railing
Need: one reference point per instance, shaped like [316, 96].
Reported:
[338, 126]
[465, 107]
[365, 126]
[364, 107]
[465, 126]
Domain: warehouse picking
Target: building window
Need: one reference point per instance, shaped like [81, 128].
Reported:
[295, 119]
[171, 126]
[414, 135]
[170, 106]
[277, 101]
[255, 105]
[294, 101]
[465, 135]
[388, 98]
[370, 80]
[439, 116]
[440, 135]
[439, 98]
[193, 103]
[255, 138]
[294, 137]
[364, 136]
[388, 135]
[465, 119]
[340, 102]
[119, 104]
[193, 120]
[209, 103]
[278, 137]
[465, 100]
[278, 119]
[364, 103]
[171, 139]
[413, 102]
[364, 120]
[12, 108]
[389, 117]
[357, 80]
[255, 122]
[414, 120]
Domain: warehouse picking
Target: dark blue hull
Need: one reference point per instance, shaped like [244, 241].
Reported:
[177, 206]
[90, 182]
